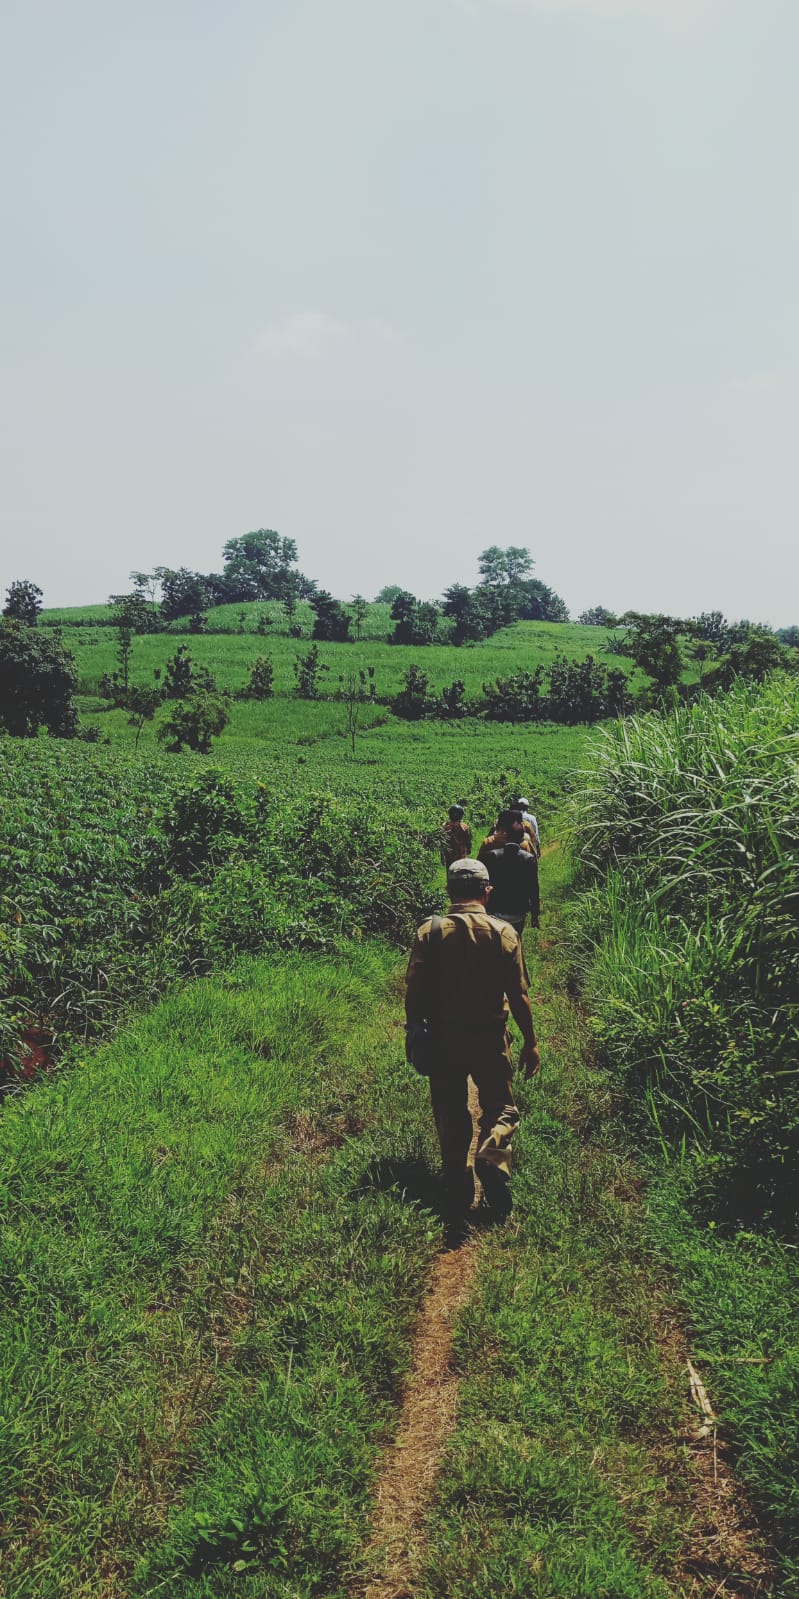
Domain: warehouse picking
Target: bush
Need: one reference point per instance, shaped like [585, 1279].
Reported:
[261, 683]
[194, 722]
[38, 679]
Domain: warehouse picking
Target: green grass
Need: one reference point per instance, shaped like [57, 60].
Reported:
[739, 1293]
[181, 1405]
[229, 654]
[565, 1475]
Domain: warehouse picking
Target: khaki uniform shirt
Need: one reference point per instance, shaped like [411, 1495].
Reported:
[456, 841]
[479, 969]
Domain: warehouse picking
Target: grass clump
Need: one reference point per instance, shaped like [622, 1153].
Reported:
[688, 827]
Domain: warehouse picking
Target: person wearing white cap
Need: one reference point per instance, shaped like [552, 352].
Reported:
[464, 975]
[530, 822]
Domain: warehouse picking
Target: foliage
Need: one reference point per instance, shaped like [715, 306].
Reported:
[653, 643]
[689, 826]
[503, 568]
[307, 670]
[360, 611]
[37, 682]
[194, 722]
[132, 612]
[598, 616]
[23, 602]
[570, 692]
[141, 703]
[110, 883]
[183, 593]
[789, 636]
[411, 702]
[356, 689]
[332, 622]
[258, 566]
[261, 682]
[184, 676]
[416, 621]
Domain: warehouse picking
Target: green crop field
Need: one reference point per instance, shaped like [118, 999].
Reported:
[219, 1213]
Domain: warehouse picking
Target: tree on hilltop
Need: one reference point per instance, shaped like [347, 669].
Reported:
[23, 602]
[258, 565]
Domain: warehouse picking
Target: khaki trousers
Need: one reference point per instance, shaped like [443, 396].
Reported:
[486, 1058]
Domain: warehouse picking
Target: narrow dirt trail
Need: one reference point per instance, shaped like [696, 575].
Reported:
[410, 1470]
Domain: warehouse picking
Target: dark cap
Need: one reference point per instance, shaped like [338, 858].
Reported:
[456, 810]
[461, 873]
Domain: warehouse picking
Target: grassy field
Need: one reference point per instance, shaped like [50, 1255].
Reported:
[218, 1226]
[217, 1233]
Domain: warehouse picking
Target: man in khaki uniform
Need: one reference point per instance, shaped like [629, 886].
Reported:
[462, 983]
[456, 837]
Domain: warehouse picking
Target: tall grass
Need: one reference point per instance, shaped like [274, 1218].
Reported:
[687, 828]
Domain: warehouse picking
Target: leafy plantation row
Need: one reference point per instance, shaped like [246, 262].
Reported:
[118, 877]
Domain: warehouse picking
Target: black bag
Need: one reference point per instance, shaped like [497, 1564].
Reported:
[420, 1037]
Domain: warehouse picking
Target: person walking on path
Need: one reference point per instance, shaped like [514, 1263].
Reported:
[456, 837]
[464, 975]
[530, 823]
[514, 880]
[509, 830]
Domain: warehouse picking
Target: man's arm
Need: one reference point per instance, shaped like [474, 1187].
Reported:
[521, 1010]
[416, 983]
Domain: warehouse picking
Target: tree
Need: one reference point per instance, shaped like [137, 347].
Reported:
[332, 623]
[388, 594]
[257, 565]
[147, 585]
[412, 701]
[598, 616]
[23, 602]
[261, 683]
[357, 689]
[360, 608]
[306, 670]
[503, 568]
[535, 601]
[194, 722]
[789, 636]
[38, 679]
[416, 621]
[179, 674]
[131, 611]
[185, 593]
[142, 704]
[652, 641]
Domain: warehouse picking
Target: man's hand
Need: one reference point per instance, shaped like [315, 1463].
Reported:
[530, 1060]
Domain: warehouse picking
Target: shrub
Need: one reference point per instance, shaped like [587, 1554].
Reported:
[194, 722]
[38, 679]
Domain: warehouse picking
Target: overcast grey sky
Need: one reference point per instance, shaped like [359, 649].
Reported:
[402, 279]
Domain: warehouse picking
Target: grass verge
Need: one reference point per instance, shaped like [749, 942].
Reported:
[208, 1289]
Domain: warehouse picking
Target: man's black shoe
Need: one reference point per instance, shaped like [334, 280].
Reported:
[496, 1190]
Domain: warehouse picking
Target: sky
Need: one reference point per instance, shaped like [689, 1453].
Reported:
[403, 279]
